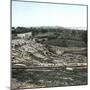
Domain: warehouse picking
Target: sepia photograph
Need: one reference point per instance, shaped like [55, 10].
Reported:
[48, 44]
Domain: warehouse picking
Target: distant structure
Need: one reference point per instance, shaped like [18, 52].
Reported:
[25, 35]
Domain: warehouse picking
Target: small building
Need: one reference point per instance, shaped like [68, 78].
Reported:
[25, 35]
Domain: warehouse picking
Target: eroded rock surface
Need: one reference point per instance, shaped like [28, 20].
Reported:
[62, 61]
[30, 53]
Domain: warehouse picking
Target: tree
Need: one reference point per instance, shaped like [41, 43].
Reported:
[84, 36]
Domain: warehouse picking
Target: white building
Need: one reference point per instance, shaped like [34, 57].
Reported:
[25, 35]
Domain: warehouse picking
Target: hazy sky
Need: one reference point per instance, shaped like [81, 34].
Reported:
[44, 14]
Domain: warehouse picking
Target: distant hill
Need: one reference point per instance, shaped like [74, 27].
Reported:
[58, 36]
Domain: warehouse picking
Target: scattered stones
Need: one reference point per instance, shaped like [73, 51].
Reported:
[35, 53]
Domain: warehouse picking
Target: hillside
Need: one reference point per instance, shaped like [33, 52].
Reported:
[49, 58]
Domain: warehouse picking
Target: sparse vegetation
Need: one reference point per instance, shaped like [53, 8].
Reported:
[50, 57]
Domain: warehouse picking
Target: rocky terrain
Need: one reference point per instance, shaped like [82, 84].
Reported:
[49, 57]
[39, 65]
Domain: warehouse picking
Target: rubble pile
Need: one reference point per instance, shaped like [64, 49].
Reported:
[26, 53]
[36, 65]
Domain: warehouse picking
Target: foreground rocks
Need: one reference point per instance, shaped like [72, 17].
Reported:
[30, 53]
[31, 59]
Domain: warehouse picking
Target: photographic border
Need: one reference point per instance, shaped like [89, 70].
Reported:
[46, 3]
